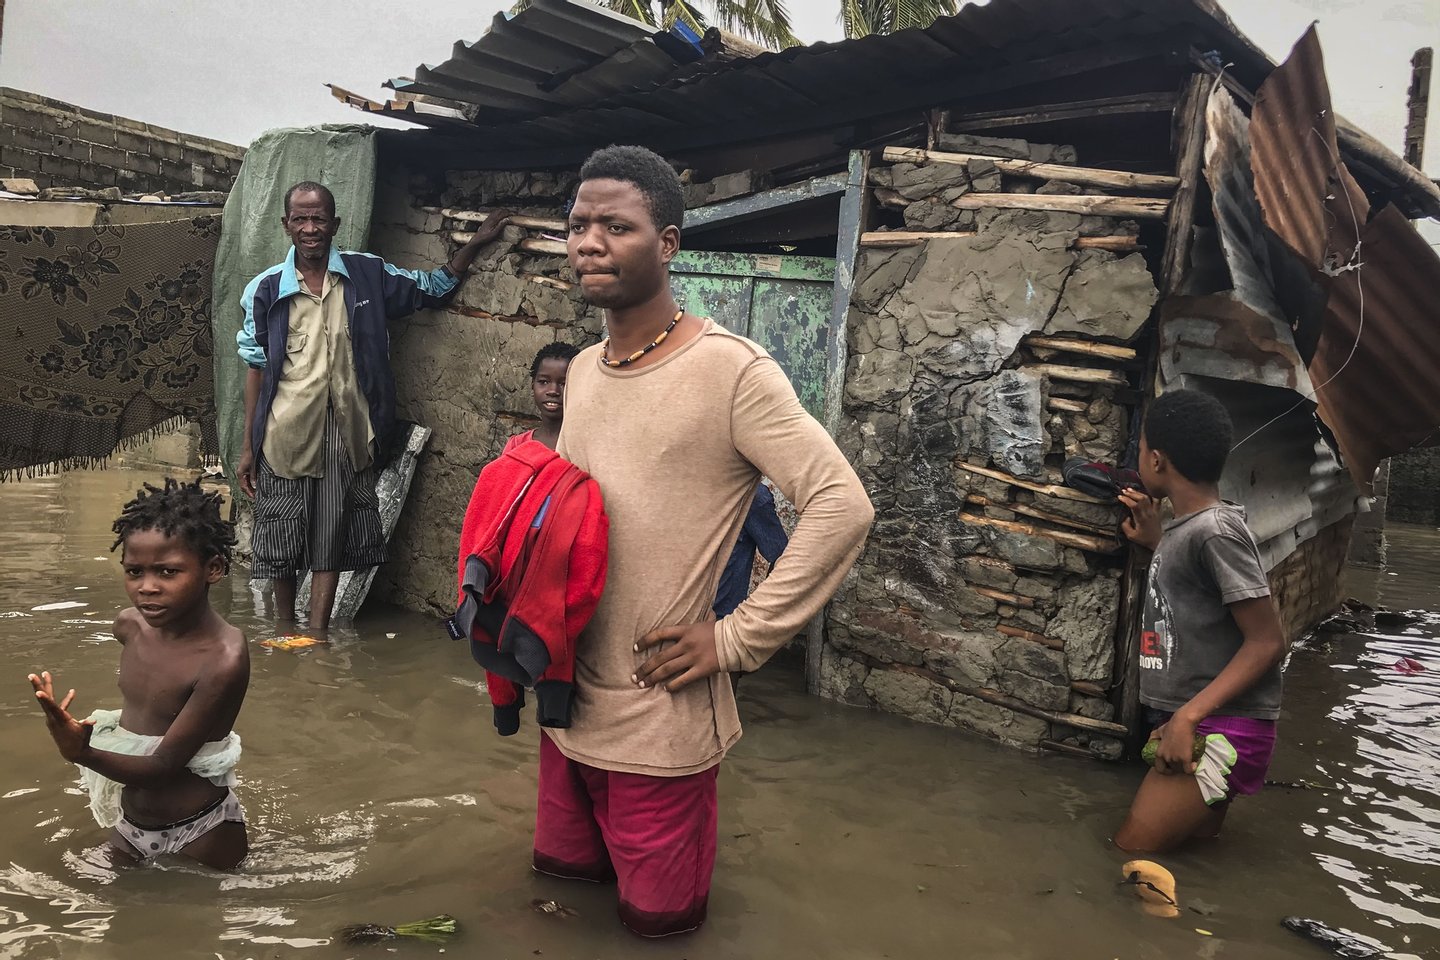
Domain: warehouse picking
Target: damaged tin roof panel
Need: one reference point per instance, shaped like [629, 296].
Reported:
[1377, 346]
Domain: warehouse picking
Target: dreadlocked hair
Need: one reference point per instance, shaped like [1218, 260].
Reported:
[183, 510]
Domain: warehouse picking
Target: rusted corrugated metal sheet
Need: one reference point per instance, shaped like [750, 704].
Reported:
[1378, 346]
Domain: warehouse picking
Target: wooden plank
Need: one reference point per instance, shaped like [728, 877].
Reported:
[1006, 630]
[1057, 371]
[1189, 158]
[1140, 103]
[1087, 347]
[1025, 509]
[908, 238]
[1084, 176]
[853, 215]
[1078, 541]
[1145, 208]
[1048, 489]
[480, 216]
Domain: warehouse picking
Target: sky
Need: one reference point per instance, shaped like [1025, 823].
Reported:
[230, 69]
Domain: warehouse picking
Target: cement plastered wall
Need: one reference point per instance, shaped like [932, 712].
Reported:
[979, 602]
[464, 371]
[59, 144]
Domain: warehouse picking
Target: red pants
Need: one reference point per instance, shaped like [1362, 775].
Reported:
[655, 835]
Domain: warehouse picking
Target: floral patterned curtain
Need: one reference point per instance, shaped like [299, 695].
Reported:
[104, 339]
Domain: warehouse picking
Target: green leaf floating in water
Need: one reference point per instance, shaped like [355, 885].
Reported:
[435, 930]
[1147, 753]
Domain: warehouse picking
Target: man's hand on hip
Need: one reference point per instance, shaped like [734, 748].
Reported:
[690, 657]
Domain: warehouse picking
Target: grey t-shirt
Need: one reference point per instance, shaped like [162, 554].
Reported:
[1205, 561]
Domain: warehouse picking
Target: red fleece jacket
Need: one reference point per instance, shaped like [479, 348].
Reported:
[533, 552]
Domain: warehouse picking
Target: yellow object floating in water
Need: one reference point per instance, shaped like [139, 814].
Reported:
[1154, 885]
[294, 642]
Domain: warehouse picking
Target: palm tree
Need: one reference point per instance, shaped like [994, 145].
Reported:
[864, 17]
[768, 22]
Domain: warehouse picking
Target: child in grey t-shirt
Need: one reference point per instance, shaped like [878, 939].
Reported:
[1211, 643]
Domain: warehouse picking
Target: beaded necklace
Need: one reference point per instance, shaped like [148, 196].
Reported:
[605, 347]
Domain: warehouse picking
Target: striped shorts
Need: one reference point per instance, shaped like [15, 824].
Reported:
[316, 523]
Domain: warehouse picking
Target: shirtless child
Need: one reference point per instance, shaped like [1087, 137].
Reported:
[160, 771]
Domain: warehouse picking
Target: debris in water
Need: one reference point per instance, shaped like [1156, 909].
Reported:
[553, 908]
[1154, 885]
[1409, 667]
[292, 642]
[1340, 944]
[435, 930]
[62, 605]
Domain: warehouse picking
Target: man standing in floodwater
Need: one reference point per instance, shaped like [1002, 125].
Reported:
[676, 419]
[320, 397]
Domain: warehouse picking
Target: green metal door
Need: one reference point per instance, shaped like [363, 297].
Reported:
[782, 303]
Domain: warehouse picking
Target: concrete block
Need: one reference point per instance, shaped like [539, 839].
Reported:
[22, 185]
[985, 146]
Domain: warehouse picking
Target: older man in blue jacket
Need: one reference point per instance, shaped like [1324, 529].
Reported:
[320, 397]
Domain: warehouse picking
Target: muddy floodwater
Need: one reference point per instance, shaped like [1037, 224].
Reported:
[377, 791]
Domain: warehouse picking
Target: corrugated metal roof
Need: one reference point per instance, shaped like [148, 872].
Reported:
[1378, 346]
[563, 77]
[636, 102]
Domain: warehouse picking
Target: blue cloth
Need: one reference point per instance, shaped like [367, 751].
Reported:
[375, 293]
[762, 531]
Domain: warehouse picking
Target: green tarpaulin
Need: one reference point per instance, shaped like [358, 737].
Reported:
[342, 157]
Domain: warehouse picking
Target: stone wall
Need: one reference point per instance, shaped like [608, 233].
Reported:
[988, 595]
[59, 144]
[464, 371]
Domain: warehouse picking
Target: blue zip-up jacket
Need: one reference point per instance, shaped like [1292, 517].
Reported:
[375, 293]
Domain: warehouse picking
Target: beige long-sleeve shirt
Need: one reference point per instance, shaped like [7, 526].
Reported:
[319, 372]
[677, 449]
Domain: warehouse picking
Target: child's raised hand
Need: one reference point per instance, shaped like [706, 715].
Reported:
[70, 735]
[1143, 524]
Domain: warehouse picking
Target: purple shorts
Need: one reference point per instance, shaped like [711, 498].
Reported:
[1238, 752]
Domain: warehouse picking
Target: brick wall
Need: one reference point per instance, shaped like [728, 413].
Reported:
[1306, 584]
[59, 144]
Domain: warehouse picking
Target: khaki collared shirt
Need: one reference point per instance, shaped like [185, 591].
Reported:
[318, 372]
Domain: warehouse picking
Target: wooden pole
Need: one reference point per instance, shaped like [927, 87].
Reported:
[1417, 106]
[1189, 139]
[1088, 347]
[909, 238]
[554, 248]
[1025, 509]
[1006, 630]
[1084, 176]
[1048, 489]
[1056, 371]
[1145, 208]
[1076, 540]
[1065, 719]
